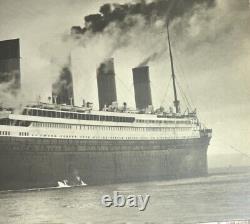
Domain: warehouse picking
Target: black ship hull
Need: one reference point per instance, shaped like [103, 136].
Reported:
[32, 163]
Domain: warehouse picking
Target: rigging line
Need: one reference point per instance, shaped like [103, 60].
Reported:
[179, 65]
[166, 92]
[235, 149]
[155, 88]
[124, 84]
[186, 98]
[89, 79]
[125, 87]
[183, 95]
[242, 153]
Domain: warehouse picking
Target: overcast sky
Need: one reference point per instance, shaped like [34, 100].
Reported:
[211, 58]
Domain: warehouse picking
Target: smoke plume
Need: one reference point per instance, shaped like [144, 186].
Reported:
[121, 21]
[10, 93]
[123, 14]
[136, 31]
[62, 89]
[151, 57]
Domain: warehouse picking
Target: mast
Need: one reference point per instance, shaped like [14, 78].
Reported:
[176, 101]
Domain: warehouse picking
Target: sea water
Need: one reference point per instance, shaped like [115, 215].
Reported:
[223, 195]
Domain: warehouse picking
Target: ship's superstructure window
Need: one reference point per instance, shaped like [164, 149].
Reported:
[187, 122]
[112, 128]
[23, 134]
[10, 122]
[5, 121]
[75, 115]
[5, 133]
[156, 121]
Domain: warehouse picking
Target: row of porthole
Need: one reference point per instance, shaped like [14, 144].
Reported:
[113, 138]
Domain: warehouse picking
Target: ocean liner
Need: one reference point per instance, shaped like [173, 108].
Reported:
[57, 141]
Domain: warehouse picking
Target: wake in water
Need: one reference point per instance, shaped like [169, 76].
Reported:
[77, 182]
[66, 183]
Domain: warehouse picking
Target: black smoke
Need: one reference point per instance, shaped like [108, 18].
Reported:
[122, 14]
[119, 20]
[62, 89]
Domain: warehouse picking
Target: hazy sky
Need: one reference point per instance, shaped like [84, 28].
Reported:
[212, 56]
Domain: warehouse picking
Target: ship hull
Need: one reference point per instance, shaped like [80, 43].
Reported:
[32, 163]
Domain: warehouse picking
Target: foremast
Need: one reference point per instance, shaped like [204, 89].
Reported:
[176, 101]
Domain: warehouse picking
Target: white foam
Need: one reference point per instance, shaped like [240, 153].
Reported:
[62, 184]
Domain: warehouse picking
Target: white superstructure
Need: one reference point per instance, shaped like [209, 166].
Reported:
[52, 122]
